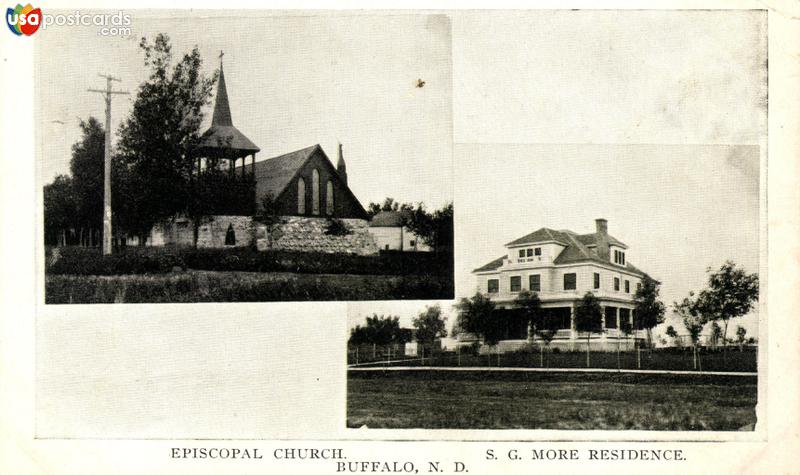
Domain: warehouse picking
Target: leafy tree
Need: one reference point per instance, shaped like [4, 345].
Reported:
[531, 306]
[741, 336]
[476, 316]
[649, 309]
[693, 321]
[87, 168]
[673, 334]
[60, 209]
[380, 330]
[158, 139]
[430, 325]
[716, 333]
[589, 319]
[731, 293]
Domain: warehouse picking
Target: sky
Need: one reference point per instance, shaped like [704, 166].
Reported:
[654, 120]
[292, 81]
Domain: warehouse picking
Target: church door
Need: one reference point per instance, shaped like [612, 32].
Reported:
[230, 236]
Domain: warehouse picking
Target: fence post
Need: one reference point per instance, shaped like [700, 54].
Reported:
[458, 351]
[373, 351]
[356, 355]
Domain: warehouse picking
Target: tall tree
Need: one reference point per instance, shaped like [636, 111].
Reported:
[589, 319]
[60, 210]
[475, 315]
[87, 169]
[531, 306]
[693, 321]
[649, 309]
[731, 293]
[157, 140]
[430, 325]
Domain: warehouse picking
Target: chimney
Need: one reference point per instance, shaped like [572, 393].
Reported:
[341, 167]
[602, 238]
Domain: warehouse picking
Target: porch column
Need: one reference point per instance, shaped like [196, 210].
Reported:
[603, 317]
[617, 309]
[573, 333]
[603, 322]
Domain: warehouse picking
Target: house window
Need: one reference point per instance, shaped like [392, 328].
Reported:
[301, 196]
[537, 251]
[570, 281]
[412, 243]
[535, 282]
[596, 280]
[516, 283]
[627, 286]
[616, 284]
[315, 192]
[522, 253]
[493, 286]
[616, 256]
[329, 198]
[230, 236]
[638, 286]
[529, 252]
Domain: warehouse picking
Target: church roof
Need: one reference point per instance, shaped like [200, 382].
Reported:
[276, 173]
[223, 139]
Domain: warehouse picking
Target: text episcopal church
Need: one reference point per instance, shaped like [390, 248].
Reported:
[303, 187]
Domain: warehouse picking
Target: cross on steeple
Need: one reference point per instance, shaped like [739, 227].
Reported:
[221, 54]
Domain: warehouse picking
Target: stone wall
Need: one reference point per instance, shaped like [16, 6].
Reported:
[297, 233]
[213, 232]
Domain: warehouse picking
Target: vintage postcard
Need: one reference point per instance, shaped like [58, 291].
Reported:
[409, 240]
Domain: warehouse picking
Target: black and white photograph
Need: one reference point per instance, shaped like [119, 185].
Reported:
[272, 158]
[352, 238]
[600, 286]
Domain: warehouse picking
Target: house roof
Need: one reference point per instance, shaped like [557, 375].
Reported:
[387, 219]
[577, 248]
[495, 264]
[222, 139]
[540, 235]
[274, 174]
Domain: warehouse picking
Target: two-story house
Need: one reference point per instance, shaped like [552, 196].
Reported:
[561, 266]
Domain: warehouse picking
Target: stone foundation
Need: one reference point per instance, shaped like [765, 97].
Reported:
[296, 233]
[214, 232]
[211, 232]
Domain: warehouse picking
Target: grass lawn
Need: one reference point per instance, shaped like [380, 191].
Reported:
[237, 286]
[549, 401]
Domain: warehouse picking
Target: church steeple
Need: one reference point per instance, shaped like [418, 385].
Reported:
[222, 110]
[340, 166]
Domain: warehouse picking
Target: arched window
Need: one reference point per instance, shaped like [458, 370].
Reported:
[230, 236]
[329, 198]
[301, 196]
[315, 191]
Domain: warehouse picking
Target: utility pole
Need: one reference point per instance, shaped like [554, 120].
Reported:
[107, 158]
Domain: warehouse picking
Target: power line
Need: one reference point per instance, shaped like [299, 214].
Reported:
[108, 92]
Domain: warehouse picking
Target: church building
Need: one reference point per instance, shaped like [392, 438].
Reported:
[303, 190]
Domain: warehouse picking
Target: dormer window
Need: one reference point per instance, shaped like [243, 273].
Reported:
[529, 252]
[619, 257]
[537, 251]
[522, 253]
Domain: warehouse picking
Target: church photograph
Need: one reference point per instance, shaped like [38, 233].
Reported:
[315, 167]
